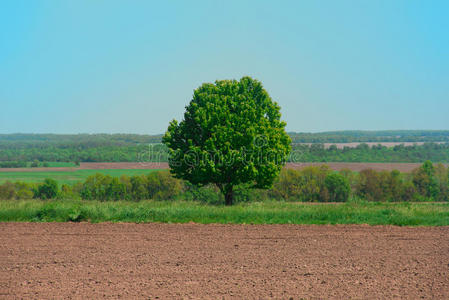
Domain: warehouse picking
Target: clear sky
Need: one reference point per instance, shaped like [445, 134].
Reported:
[131, 66]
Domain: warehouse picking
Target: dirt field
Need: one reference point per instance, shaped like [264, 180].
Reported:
[166, 261]
[357, 167]
[403, 167]
[371, 144]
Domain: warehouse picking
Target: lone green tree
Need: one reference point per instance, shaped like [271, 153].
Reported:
[231, 134]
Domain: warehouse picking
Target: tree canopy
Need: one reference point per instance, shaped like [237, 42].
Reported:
[231, 134]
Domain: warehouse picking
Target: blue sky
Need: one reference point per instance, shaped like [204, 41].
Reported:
[131, 66]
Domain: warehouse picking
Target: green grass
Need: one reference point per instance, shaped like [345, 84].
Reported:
[401, 214]
[68, 177]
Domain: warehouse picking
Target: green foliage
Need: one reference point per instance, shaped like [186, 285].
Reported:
[24, 190]
[365, 153]
[17, 150]
[231, 134]
[156, 185]
[312, 184]
[402, 214]
[68, 177]
[138, 189]
[7, 191]
[47, 190]
[425, 181]
[303, 185]
[349, 136]
[209, 194]
[372, 185]
[287, 186]
[338, 187]
[13, 164]
[102, 187]
[162, 185]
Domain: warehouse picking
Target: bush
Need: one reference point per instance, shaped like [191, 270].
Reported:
[103, 187]
[303, 185]
[244, 193]
[162, 185]
[209, 194]
[47, 190]
[425, 181]
[287, 185]
[312, 187]
[7, 191]
[24, 190]
[370, 186]
[13, 164]
[338, 187]
[138, 188]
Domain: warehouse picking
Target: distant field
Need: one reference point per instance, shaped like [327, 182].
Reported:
[59, 164]
[370, 144]
[67, 177]
[70, 175]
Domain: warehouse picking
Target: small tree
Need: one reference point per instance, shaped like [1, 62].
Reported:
[338, 187]
[231, 134]
[425, 181]
[47, 190]
[7, 190]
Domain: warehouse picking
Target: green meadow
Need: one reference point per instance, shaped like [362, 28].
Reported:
[270, 212]
[67, 177]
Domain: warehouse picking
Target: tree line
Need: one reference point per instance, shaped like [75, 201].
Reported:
[377, 153]
[313, 184]
[21, 157]
[346, 136]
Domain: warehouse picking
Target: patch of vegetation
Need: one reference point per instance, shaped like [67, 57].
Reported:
[18, 150]
[269, 212]
[66, 177]
[312, 184]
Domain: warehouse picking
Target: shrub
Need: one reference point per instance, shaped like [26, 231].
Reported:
[244, 193]
[408, 192]
[425, 181]
[103, 187]
[441, 175]
[311, 185]
[304, 185]
[47, 190]
[162, 185]
[7, 191]
[338, 187]
[350, 176]
[209, 194]
[24, 190]
[286, 185]
[67, 192]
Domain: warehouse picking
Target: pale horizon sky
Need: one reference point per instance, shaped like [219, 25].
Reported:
[132, 66]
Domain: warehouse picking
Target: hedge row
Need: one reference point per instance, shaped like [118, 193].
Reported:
[312, 184]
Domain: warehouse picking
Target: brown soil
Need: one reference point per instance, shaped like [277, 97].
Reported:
[371, 144]
[166, 261]
[124, 165]
[357, 167]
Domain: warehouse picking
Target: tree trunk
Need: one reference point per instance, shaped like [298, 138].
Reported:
[229, 195]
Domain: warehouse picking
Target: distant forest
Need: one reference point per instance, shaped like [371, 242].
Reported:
[16, 149]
